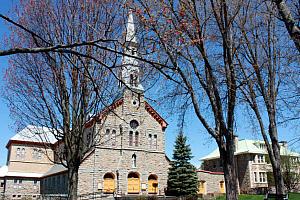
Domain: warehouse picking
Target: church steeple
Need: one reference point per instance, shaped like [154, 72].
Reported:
[130, 69]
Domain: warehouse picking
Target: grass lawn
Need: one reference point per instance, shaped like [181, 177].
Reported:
[292, 196]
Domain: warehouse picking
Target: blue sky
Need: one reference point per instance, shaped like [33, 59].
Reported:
[198, 138]
[6, 125]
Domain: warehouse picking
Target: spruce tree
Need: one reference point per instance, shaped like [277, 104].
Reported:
[182, 176]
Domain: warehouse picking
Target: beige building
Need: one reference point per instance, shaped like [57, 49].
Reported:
[28, 159]
[252, 164]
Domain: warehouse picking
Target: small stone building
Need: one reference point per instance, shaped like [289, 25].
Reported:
[211, 182]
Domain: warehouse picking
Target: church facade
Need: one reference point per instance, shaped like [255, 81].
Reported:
[131, 156]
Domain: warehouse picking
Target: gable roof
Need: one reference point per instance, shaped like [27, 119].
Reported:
[120, 102]
[252, 147]
[34, 134]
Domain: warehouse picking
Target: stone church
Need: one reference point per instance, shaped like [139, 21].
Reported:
[128, 147]
[131, 158]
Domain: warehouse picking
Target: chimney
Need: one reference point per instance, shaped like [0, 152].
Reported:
[283, 144]
[236, 141]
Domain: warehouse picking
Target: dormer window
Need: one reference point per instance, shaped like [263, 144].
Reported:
[260, 158]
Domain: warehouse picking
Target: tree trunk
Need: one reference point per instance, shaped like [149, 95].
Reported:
[227, 156]
[72, 183]
[277, 173]
[275, 160]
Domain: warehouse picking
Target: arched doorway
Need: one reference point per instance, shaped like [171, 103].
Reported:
[222, 187]
[202, 187]
[133, 186]
[109, 183]
[152, 184]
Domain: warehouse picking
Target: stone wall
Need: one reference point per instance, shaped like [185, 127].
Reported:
[243, 172]
[115, 161]
[117, 157]
[27, 186]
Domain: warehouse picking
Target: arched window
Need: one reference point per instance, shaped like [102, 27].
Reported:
[202, 189]
[106, 138]
[136, 139]
[130, 138]
[155, 141]
[18, 153]
[113, 138]
[133, 158]
[23, 153]
[222, 187]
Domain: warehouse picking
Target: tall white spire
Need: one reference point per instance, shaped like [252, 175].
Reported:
[130, 68]
[130, 31]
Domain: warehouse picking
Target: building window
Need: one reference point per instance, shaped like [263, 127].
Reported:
[34, 184]
[262, 146]
[134, 124]
[130, 138]
[106, 136]
[262, 177]
[136, 139]
[17, 183]
[18, 153]
[255, 177]
[133, 161]
[150, 141]
[113, 138]
[260, 158]
[155, 141]
[23, 153]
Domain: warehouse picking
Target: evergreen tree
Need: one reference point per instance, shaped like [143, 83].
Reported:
[182, 176]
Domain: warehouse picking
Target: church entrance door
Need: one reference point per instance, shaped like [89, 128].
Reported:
[152, 184]
[109, 183]
[133, 183]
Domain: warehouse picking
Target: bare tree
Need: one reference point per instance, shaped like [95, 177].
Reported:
[265, 77]
[61, 90]
[195, 45]
[291, 23]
